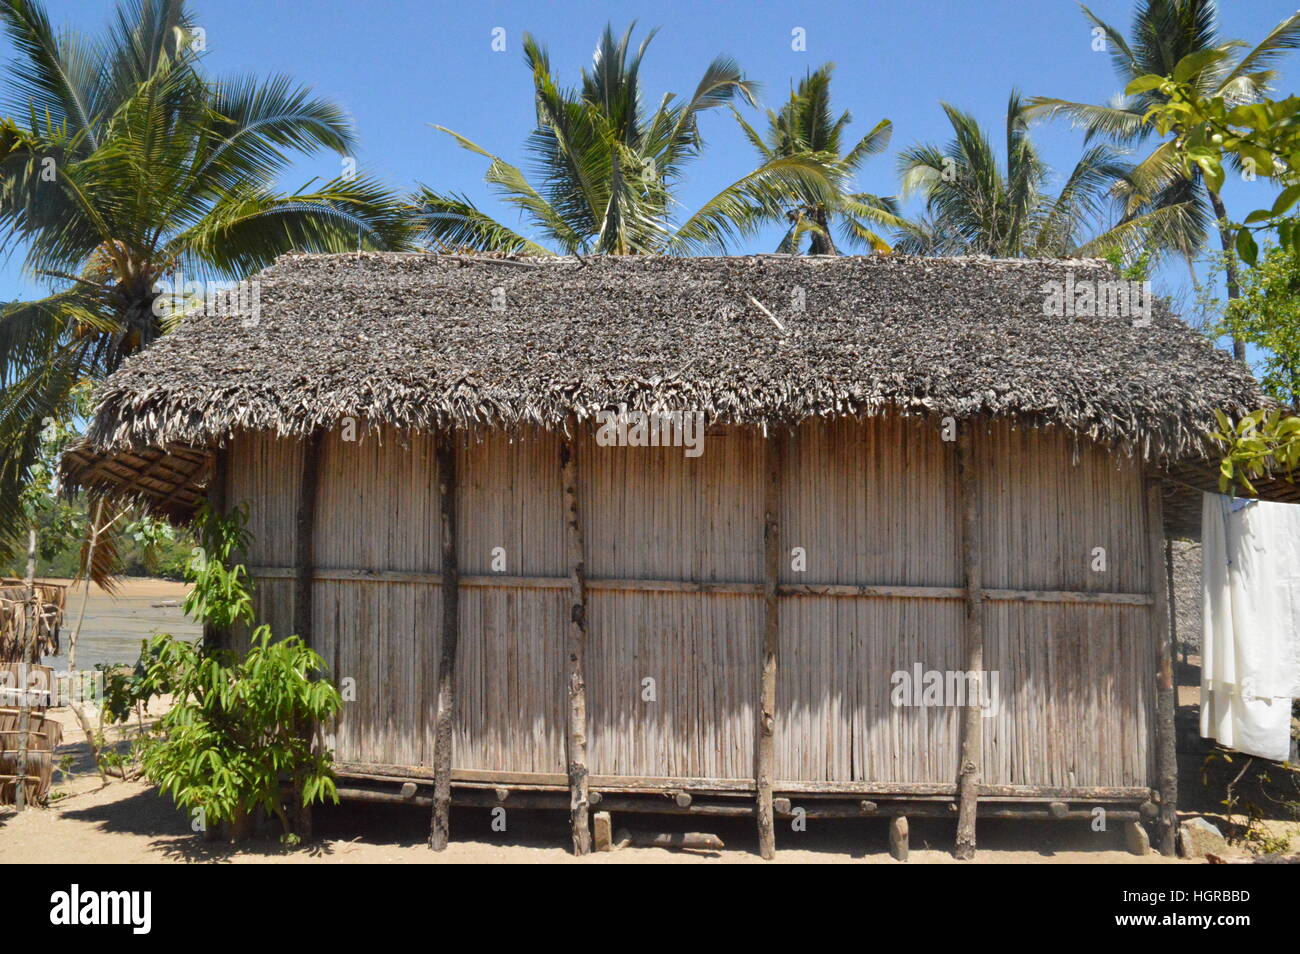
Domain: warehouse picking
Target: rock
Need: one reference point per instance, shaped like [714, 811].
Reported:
[1198, 838]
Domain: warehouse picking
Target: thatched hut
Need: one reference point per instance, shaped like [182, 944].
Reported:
[909, 471]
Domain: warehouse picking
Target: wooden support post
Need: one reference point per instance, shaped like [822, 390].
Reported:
[765, 731]
[1166, 701]
[304, 555]
[972, 724]
[215, 637]
[308, 486]
[576, 736]
[440, 829]
[1173, 607]
[898, 837]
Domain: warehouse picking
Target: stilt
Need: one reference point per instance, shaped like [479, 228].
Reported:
[972, 723]
[576, 735]
[1135, 838]
[765, 731]
[604, 836]
[309, 482]
[898, 837]
[1166, 700]
[440, 829]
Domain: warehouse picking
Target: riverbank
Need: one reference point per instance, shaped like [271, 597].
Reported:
[117, 623]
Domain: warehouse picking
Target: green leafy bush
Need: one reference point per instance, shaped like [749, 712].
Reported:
[240, 727]
[240, 734]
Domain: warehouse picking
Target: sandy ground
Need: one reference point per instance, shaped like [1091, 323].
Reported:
[88, 822]
[130, 823]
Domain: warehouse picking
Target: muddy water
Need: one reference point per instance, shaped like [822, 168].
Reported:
[116, 625]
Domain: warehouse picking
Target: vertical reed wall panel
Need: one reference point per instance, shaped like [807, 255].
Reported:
[1044, 513]
[510, 497]
[263, 472]
[1075, 703]
[700, 652]
[653, 513]
[836, 720]
[511, 690]
[871, 502]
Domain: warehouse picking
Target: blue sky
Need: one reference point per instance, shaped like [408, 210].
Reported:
[399, 65]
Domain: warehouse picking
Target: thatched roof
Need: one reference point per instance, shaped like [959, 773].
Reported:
[426, 341]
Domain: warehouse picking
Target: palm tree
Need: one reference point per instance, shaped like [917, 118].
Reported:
[1162, 34]
[121, 166]
[975, 205]
[608, 172]
[804, 127]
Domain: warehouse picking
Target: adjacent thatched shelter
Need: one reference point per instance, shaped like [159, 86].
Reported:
[909, 468]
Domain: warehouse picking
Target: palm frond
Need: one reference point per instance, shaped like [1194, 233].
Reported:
[452, 222]
[739, 209]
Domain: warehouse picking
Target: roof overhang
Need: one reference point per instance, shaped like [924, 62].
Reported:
[170, 480]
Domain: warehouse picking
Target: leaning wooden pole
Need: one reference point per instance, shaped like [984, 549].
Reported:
[1166, 701]
[765, 731]
[442, 743]
[26, 656]
[576, 649]
[972, 723]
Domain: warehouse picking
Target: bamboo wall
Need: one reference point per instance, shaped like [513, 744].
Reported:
[872, 503]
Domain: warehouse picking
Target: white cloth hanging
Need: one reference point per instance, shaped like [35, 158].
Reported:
[1250, 653]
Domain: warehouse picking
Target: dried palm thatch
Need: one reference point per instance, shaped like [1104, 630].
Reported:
[44, 737]
[422, 341]
[17, 638]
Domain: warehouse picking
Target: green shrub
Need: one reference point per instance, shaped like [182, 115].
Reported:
[240, 734]
[240, 727]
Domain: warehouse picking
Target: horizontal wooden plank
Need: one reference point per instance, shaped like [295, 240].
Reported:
[721, 587]
[624, 784]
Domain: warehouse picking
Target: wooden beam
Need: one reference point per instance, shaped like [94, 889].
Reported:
[713, 588]
[972, 728]
[1166, 701]
[446, 700]
[308, 487]
[739, 787]
[765, 731]
[576, 734]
